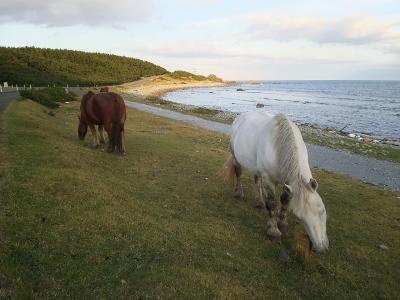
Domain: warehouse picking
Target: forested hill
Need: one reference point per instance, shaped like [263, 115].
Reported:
[41, 67]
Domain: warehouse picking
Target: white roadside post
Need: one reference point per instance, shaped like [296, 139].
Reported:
[30, 86]
[1, 89]
[5, 84]
[16, 86]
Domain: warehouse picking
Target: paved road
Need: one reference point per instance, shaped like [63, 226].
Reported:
[378, 172]
[7, 97]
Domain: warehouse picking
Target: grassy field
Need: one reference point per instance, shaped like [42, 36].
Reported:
[79, 223]
[310, 135]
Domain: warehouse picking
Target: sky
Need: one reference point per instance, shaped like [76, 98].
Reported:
[236, 40]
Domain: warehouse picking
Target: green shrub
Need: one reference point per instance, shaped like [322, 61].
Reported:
[156, 100]
[40, 67]
[49, 97]
[184, 74]
[215, 78]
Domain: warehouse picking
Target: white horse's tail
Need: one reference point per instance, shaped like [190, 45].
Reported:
[229, 170]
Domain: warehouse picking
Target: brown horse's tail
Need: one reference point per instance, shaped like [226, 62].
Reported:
[116, 130]
[229, 170]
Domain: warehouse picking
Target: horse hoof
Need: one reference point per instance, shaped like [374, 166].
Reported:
[238, 195]
[274, 239]
[274, 235]
[258, 204]
[283, 227]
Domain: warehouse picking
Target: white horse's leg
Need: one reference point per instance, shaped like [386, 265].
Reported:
[238, 194]
[269, 191]
[285, 198]
[258, 194]
[94, 136]
[101, 134]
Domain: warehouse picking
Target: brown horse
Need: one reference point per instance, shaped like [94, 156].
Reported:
[105, 110]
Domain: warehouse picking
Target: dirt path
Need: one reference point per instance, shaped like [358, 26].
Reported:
[378, 172]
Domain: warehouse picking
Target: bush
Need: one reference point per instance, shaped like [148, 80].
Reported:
[156, 100]
[184, 74]
[213, 77]
[49, 97]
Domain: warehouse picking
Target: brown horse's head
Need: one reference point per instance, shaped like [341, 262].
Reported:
[82, 129]
[104, 89]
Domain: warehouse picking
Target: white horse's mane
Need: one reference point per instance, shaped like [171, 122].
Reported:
[288, 158]
[286, 147]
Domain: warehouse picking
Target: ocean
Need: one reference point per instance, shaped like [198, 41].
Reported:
[361, 107]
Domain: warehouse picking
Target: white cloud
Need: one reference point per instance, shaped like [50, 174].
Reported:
[61, 13]
[344, 30]
[221, 50]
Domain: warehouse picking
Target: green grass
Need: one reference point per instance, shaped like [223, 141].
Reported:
[79, 223]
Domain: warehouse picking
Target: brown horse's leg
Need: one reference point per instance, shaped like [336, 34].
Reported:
[273, 232]
[94, 136]
[108, 129]
[238, 193]
[101, 134]
[122, 150]
[286, 196]
[258, 199]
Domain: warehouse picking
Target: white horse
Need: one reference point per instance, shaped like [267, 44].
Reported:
[273, 150]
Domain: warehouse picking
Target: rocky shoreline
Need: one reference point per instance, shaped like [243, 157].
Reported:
[225, 116]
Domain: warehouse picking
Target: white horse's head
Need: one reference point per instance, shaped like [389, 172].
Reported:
[311, 210]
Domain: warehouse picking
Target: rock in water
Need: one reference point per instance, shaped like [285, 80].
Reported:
[259, 105]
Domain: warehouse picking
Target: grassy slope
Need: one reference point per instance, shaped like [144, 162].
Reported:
[40, 67]
[79, 223]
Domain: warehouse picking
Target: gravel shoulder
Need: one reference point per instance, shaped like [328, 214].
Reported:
[373, 171]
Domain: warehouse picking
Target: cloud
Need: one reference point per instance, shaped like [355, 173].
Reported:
[220, 51]
[344, 30]
[61, 13]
